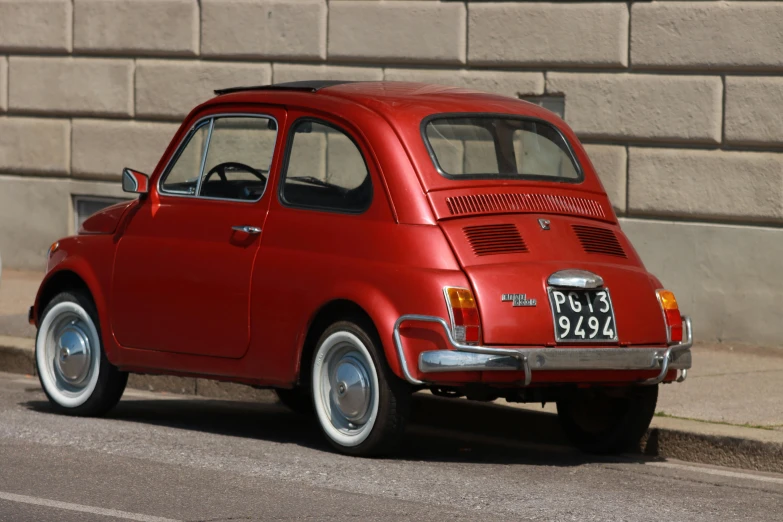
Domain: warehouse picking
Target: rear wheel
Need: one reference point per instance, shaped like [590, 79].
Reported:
[72, 366]
[607, 420]
[361, 405]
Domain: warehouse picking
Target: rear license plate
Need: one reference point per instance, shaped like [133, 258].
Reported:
[583, 316]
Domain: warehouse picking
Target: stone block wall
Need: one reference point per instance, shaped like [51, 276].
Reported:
[678, 103]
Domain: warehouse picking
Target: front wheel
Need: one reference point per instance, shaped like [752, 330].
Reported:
[72, 367]
[607, 420]
[361, 405]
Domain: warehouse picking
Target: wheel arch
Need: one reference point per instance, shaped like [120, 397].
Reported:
[56, 283]
[329, 313]
[75, 276]
[368, 305]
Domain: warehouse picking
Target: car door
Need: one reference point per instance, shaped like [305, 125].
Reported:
[183, 266]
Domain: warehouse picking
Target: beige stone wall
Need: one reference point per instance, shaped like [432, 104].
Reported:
[679, 104]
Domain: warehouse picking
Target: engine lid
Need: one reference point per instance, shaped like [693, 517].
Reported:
[509, 259]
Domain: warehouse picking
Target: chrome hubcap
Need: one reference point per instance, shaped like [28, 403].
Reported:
[351, 388]
[70, 352]
[347, 389]
[72, 359]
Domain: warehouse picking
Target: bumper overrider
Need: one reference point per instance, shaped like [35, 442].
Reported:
[470, 358]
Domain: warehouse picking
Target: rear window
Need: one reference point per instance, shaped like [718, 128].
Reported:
[499, 147]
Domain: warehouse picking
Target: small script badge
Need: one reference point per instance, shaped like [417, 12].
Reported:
[518, 299]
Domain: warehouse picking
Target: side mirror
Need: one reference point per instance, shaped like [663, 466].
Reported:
[135, 182]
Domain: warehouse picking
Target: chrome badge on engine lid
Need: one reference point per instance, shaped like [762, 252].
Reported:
[518, 300]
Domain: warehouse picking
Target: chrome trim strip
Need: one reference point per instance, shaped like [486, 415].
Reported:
[663, 314]
[666, 358]
[204, 158]
[541, 358]
[193, 128]
[554, 359]
[454, 361]
[180, 148]
[573, 278]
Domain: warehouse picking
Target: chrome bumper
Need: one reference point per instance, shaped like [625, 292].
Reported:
[465, 357]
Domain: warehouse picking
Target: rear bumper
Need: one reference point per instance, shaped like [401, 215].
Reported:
[465, 357]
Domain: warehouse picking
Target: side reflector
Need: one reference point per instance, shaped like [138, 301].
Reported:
[464, 314]
[671, 314]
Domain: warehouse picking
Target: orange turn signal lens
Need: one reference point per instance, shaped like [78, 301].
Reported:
[671, 314]
[52, 249]
[668, 301]
[464, 314]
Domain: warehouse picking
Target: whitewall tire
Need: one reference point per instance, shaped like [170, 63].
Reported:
[361, 406]
[67, 353]
[73, 370]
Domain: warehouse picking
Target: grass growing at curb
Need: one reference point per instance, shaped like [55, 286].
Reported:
[746, 425]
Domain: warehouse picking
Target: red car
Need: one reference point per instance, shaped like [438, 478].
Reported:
[348, 244]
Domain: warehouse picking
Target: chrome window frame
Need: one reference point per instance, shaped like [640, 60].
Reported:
[186, 139]
[184, 142]
[494, 177]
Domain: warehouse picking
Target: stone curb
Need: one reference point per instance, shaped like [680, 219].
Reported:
[737, 447]
[718, 450]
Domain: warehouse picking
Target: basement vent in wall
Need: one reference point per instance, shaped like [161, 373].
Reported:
[86, 206]
[487, 240]
[596, 240]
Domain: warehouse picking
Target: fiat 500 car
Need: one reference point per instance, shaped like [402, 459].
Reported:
[348, 244]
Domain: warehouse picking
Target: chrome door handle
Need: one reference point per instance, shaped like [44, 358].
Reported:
[246, 229]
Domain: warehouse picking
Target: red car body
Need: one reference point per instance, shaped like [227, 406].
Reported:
[179, 291]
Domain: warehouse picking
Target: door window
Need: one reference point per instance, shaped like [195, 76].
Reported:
[224, 158]
[182, 177]
[325, 170]
[239, 157]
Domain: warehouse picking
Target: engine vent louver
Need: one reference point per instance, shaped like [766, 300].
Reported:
[521, 202]
[487, 240]
[597, 240]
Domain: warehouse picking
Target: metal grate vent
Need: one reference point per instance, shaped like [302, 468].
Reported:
[520, 202]
[597, 240]
[488, 240]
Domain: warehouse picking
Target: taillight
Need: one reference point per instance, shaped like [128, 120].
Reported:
[671, 313]
[466, 326]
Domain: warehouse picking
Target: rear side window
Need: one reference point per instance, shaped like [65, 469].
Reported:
[325, 170]
[499, 147]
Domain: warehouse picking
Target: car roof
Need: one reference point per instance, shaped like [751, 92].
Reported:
[404, 106]
[391, 99]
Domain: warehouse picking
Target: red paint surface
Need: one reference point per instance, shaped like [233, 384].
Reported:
[179, 292]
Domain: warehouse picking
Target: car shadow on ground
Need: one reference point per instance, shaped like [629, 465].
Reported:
[441, 430]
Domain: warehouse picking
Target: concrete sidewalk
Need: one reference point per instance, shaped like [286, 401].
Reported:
[733, 397]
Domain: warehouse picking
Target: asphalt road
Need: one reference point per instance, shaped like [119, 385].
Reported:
[159, 457]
